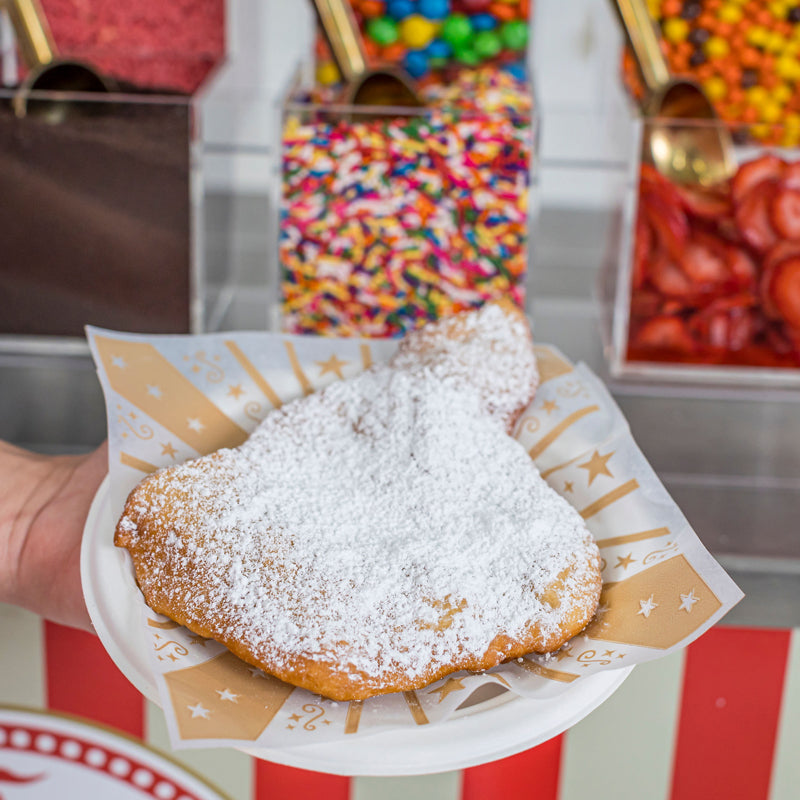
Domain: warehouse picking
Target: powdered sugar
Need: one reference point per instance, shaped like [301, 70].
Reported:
[389, 520]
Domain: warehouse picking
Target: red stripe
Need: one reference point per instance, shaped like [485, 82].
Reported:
[533, 773]
[732, 688]
[83, 680]
[276, 782]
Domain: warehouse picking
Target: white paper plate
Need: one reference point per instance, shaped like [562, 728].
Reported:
[48, 755]
[484, 732]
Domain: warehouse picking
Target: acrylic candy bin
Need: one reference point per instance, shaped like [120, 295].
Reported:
[393, 217]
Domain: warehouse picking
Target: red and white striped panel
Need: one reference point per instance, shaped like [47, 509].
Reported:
[721, 719]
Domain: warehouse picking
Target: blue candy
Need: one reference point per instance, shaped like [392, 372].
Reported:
[438, 48]
[517, 70]
[483, 22]
[416, 63]
[434, 9]
[400, 9]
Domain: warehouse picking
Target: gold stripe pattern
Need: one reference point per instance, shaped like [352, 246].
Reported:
[305, 384]
[552, 435]
[257, 378]
[633, 537]
[609, 499]
[138, 372]
[353, 716]
[546, 672]
[366, 356]
[416, 709]
[137, 463]
[550, 364]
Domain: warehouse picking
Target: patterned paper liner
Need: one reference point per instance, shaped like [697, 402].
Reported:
[171, 398]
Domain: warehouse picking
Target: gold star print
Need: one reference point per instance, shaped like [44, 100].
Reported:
[196, 368]
[624, 561]
[596, 465]
[564, 652]
[296, 717]
[608, 653]
[568, 486]
[451, 685]
[333, 365]
[549, 405]
[168, 450]
[235, 391]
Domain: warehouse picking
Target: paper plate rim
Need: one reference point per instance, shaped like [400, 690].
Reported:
[486, 733]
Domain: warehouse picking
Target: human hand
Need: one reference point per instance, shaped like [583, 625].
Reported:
[44, 502]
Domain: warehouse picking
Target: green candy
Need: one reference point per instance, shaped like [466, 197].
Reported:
[456, 30]
[383, 30]
[487, 44]
[466, 56]
[515, 34]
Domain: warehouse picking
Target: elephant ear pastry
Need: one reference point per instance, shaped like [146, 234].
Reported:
[381, 533]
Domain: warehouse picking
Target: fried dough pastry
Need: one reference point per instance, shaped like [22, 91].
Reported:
[381, 533]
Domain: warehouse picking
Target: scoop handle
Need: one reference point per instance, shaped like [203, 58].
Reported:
[344, 39]
[642, 37]
[32, 32]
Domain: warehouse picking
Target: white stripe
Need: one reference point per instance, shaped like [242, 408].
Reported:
[443, 786]
[786, 765]
[629, 740]
[231, 771]
[22, 680]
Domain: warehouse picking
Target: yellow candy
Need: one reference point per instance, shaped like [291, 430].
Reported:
[774, 43]
[716, 87]
[790, 138]
[788, 68]
[327, 73]
[675, 29]
[782, 93]
[792, 122]
[771, 111]
[760, 131]
[757, 96]
[417, 31]
[757, 36]
[716, 47]
[779, 10]
[730, 13]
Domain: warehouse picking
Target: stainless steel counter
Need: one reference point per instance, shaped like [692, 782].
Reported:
[730, 457]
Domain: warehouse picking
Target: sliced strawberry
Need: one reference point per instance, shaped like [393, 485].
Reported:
[642, 247]
[668, 221]
[754, 218]
[670, 279]
[665, 333]
[781, 291]
[742, 268]
[653, 181]
[705, 261]
[781, 251]
[751, 173]
[725, 327]
[791, 175]
[645, 303]
[785, 212]
[706, 204]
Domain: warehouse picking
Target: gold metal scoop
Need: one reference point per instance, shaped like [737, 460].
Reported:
[683, 136]
[47, 72]
[363, 86]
